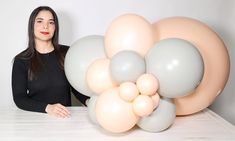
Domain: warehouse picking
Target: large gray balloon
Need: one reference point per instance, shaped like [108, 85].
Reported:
[79, 56]
[126, 66]
[178, 66]
[161, 118]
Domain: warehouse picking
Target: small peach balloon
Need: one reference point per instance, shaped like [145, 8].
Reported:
[128, 91]
[113, 113]
[147, 84]
[129, 32]
[156, 99]
[98, 76]
[143, 105]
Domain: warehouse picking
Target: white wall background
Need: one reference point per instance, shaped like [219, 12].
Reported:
[79, 18]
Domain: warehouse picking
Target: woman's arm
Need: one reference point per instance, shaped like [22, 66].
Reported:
[21, 98]
[19, 88]
[82, 98]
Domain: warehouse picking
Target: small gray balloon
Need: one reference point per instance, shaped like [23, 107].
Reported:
[126, 66]
[161, 118]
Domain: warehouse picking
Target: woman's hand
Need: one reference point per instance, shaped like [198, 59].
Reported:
[57, 110]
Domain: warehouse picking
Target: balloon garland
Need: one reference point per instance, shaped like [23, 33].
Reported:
[143, 74]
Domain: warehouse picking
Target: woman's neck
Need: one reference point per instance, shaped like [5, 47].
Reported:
[44, 46]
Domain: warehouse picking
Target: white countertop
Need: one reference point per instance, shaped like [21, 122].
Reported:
[19, 125]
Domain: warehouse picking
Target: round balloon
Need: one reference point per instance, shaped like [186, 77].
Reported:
[178, 66]
[91, 109]
[147, 84]
[161, 118]
[128, 91]
[98, 76]
[113, 113]
[129, 32]
[143, 105]
[79, 56]
[156, 100]
[126, 66]
[214, 54]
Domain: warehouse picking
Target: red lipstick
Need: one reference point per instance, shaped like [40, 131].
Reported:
[44, 33]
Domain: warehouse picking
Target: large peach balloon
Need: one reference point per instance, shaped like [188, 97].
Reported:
[129, 32]
[98, 76]
[214, 54]
[113, 113]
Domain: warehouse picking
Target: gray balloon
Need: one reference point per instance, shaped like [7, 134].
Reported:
[78, 58]
[161, 118]
[177, 64]
[126, 66]
[91, 109]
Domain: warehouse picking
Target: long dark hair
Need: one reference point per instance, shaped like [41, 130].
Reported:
[30, 53]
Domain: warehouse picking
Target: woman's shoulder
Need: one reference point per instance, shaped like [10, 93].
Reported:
[23, 56]
[20, 62]
[63, 48]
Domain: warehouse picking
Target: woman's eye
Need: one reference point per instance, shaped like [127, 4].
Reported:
[38, 21]
[52, 23]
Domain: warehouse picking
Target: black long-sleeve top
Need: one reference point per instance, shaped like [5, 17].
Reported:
[50, 87]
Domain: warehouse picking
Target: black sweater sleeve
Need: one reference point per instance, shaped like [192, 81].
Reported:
[19, 88]
[82, 98]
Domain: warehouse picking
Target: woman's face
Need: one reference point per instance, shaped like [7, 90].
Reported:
[44, 26]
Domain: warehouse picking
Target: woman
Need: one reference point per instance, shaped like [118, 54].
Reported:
[38, 80]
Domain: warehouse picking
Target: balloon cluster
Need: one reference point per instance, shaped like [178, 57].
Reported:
[131, 77]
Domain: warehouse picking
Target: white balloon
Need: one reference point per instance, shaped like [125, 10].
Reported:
[79, 56]
[91, 109]
[161, 118]
[178, 66]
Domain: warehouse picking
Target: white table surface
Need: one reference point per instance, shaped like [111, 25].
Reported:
[19, 125]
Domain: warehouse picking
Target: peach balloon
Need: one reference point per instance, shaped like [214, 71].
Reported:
[214, 54]
[156, 99]
[143, 105]
[113, 113]
[98, 76]
[147, 84]
[128, 32]
[128, 91]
